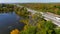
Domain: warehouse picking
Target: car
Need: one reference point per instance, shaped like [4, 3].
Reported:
[57, 18]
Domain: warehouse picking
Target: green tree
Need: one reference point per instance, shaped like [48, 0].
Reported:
[58, 12]
[57, 31]
[30, 30]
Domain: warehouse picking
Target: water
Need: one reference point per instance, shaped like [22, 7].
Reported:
[8, 22]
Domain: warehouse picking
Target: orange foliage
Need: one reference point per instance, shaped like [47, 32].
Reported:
[16, 31]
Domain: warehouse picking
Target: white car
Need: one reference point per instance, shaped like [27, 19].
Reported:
[57, 18]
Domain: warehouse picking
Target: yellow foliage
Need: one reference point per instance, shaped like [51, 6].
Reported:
[38, 25]
[16, 31]
[25, 21]
[26, 27]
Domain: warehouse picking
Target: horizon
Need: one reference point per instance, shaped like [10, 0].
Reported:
[29, 1]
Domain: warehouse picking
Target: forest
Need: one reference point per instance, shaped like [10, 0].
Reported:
[34, 24]
[37, 24]
[45, 7]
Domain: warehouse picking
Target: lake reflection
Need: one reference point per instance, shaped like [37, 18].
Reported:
[8, 22]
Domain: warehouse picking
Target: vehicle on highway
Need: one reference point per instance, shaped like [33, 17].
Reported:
[57, 18]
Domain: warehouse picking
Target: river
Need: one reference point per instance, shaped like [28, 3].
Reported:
[9, 21]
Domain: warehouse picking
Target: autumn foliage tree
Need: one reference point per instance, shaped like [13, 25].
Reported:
[15, 31]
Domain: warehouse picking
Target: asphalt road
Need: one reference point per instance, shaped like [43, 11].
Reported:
[52, 18]
[46, 16]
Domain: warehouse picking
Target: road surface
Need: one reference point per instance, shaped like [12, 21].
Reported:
[46, 16]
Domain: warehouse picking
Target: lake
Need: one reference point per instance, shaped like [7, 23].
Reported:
[8, 22]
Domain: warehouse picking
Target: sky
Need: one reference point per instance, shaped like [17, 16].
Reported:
[28, 1]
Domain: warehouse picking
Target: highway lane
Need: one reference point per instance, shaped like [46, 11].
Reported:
[49, 16]
[52, 19]
[46, 15]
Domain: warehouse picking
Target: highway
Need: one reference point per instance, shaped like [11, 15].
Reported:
[52, 18]
[46, 16]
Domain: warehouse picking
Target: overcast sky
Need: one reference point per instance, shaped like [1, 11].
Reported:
[28, 1]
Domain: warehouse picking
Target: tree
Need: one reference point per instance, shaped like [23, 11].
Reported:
[16, 31]
[49, 26]
[58, 12]
[23, 12]
[57, 31]
[30, 30]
